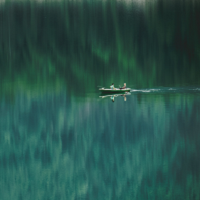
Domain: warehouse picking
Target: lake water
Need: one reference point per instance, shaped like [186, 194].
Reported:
[60, 138]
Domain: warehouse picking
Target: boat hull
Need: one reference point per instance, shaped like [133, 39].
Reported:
[116, 91]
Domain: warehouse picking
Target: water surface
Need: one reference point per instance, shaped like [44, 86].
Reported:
[60, 140]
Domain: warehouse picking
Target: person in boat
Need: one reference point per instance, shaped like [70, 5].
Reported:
[124, 87]
[112, 87]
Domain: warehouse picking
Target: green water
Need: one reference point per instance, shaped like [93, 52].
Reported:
[60, 140]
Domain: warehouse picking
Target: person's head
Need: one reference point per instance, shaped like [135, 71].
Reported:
[124, 84]
[112, 83]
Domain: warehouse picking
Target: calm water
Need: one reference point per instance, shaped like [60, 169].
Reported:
[60, 139]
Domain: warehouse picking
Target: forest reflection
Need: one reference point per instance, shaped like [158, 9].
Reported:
[58, 147]
[94, 43]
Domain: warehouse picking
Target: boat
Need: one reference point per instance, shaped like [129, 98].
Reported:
[114, 91]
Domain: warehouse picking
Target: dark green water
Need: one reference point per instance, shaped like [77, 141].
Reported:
[60, 140]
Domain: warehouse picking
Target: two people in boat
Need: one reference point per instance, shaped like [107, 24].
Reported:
[113, 88]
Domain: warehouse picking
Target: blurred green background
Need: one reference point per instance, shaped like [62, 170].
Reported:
[59, 140]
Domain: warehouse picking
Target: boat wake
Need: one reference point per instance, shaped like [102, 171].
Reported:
[165, 90]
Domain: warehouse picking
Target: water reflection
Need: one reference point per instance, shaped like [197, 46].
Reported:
[99, 43]
[113, 96]
[54, 146]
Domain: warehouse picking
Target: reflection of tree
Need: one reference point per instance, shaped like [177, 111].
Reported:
[70, 41]
[52, 146]
[175, 39]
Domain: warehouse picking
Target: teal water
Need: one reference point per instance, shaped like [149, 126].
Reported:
[60, 139]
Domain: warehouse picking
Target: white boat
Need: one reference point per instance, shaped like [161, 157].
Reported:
[114, 91]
